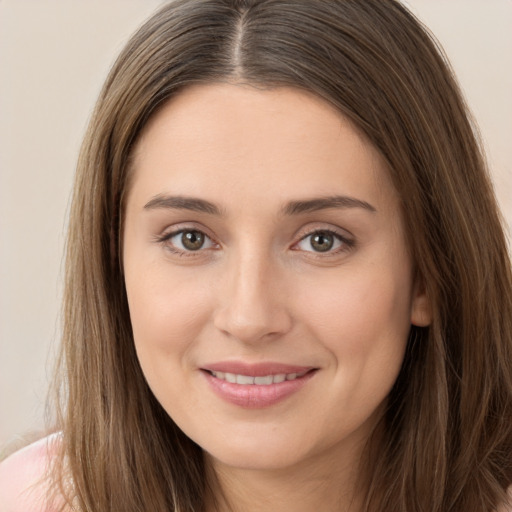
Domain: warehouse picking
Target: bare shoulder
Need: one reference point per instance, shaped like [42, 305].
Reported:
[23, 476]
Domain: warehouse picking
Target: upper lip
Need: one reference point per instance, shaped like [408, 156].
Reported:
[255, 369]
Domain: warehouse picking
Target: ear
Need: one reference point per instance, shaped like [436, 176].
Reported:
[421, 308]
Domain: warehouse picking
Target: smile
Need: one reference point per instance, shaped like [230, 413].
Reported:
[256, 386]
[265, 380]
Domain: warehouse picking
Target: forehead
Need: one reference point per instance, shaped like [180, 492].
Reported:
[218, 138]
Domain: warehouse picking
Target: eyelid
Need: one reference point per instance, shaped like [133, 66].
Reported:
[315, 227]
[174, 229]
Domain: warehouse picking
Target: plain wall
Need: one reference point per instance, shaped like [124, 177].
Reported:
[54, 55]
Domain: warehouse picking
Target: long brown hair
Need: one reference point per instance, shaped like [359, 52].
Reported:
[447, 442]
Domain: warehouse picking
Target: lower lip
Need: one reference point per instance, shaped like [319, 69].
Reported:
[254, 396]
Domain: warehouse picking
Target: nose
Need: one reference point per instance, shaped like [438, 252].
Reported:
[252, 304]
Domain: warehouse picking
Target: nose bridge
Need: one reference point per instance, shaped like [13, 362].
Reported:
[252, 307]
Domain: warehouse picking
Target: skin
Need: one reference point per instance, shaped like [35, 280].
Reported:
[259, 291]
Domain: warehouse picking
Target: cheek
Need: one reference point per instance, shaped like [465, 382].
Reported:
[363, 324]
[167, 310]
[363, 321]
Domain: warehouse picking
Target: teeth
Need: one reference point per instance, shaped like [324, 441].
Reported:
[244, 379]
[230, 377]
[265, 381]
[262, 381]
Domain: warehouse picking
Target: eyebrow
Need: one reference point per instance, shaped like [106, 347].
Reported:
[182, 203]
[324, 203]
[292, 208]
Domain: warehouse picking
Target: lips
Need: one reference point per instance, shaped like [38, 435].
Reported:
[263, 380]
[256, 385]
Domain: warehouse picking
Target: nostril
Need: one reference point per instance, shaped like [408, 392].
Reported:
[252, 325]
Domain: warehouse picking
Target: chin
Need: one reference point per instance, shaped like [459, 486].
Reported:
[256, 459]
[266, 451]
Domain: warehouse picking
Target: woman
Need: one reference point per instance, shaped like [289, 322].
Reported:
[287, 282]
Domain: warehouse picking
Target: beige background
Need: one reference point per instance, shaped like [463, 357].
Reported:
[54, 55]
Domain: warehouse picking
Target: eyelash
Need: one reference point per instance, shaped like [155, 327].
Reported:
[346, 243]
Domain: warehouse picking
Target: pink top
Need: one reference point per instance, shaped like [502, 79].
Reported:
[22, 478]
[22, 486]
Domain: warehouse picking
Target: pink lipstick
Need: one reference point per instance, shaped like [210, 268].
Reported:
[254, 386]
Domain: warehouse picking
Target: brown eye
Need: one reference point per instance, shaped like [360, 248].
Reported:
[322, 241]
[187, 241]
[192, 240]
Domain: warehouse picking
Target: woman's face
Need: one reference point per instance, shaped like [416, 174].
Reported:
[268, 277]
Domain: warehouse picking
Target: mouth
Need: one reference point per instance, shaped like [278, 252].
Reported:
[263, 380]
[256, 386]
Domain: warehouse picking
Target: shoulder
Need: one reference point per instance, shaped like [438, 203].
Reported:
[23, 486]
[507, 507]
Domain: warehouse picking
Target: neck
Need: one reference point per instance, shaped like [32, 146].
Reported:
[328, 483]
